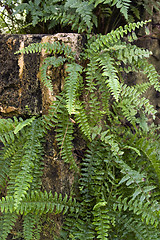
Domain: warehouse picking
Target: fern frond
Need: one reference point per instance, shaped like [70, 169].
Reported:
[92, 73]
[131, 225]
[133, 177]
[95, 175]
[72, 82]
[30, 222]
[110, 72]
[155, 4]
[101, 220]
[32, 150]
[51, 119]
[59, 114]
[83, 10]
[139, 199]
[108, 138]
[96, 109]
[10, 159]
[152, 75]
[97, 98]
[147, 210]
[131, 53]
[76, 227]
[39, 203]
[7, 221]
[4, 166]
[114, 36]
[96, 2]
[131, 97]
[51, 48]
[143, 87]
[151, 152]
[64, 136]
[87, 172]
[48, 62]
[14, 169]
[22, 155]
[6, 131]
[123, 5]
[82, 119]
[22, 124]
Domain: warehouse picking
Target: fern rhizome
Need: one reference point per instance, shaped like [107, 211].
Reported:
[119, 175]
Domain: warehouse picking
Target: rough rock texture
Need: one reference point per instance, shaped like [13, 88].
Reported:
[20, 89]
[22, 94]
[152, 43]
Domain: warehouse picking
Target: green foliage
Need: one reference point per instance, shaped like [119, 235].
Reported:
[30, 223]
[7, 221]
[39, 202]
[10, 21]
[71, 15]
[119, 174]
[71, 85]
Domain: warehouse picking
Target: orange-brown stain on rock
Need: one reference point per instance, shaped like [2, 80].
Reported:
[47, 94]
[10, 42]
[8, 109]
[21, 61]
[21, 69]
[57, 75]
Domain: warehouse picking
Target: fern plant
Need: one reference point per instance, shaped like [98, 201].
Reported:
[81, 15]
[118, 185]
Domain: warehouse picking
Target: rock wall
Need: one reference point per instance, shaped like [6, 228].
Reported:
[20, 88]
[22, 94]
[152, 43]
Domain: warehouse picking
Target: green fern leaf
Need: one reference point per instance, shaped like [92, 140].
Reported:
[71, 85]
[39, 203]
[50, 48]
[83, 9]
[64, 137]
[30, 222]
[123, 5]
[152, 75]
[82, 119]
[148, 149]
[56, 62]
[31, 149]
[110, 72]
[7, 222]
[101, 221]
[6, 131]
[23, 124]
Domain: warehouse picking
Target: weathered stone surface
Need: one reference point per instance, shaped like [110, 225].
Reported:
[20, 90]
[23, 94]
[154, 46]
[19, 86]
[152, 43]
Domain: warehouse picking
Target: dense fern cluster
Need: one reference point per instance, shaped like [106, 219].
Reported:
[118, 188]
[96, 16]
[119, 174]
[85, 15]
